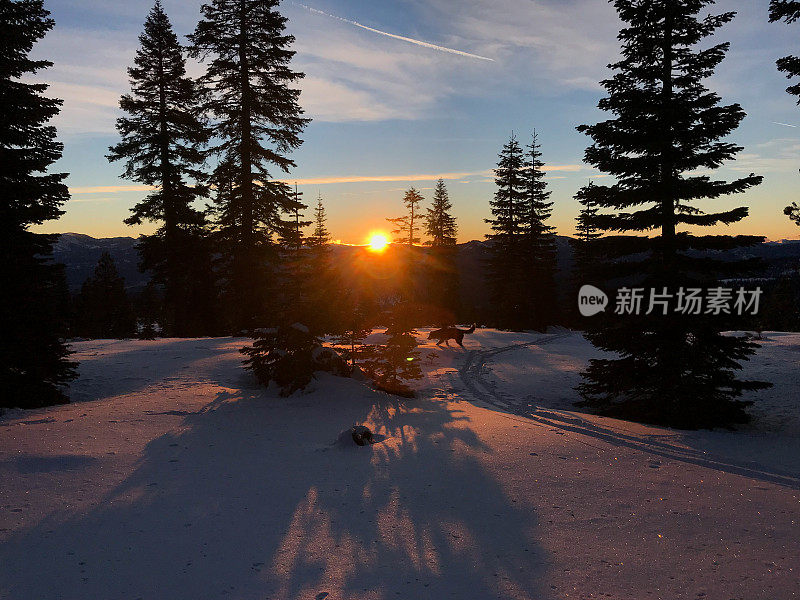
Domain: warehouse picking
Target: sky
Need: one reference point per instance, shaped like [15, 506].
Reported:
[403, 92]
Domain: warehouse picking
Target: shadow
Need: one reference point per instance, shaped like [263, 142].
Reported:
[49, 464]
[253, 498]
[697, 444]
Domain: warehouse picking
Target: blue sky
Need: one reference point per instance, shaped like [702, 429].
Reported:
[389, 113]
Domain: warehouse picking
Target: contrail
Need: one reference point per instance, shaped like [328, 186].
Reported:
[397, 37]
[784, 124]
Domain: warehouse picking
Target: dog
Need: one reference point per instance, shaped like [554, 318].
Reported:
[445, 334]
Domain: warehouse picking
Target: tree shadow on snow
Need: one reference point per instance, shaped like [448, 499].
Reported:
[253, 499]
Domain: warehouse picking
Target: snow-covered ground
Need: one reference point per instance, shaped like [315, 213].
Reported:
[173, 475]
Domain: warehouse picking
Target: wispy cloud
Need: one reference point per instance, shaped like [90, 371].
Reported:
[487, 173]
[397, 37]
[110, 189]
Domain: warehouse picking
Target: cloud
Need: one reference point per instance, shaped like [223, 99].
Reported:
[110, 189]
[397, 37]
[333, 102]
[553, 44]
[487, 173]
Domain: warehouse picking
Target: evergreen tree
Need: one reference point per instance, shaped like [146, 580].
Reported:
[441, 273]
[319, 278]
[440, 224]
[505, 263]
[539, 244]
[789, 12]
[104, 310]
[291, 238]
[674, 369]
[408, 225]
[394, 363]
[162, 136]
[258, 122]
[793, 212]
[586, 261]
[321, 236]
[34, 363]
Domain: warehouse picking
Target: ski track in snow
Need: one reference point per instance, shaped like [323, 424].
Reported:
[471, 375]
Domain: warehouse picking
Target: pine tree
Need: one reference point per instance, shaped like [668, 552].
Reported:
[321, 236]
[789, 12]
[104, 310]
[162, 136]
[408, 225]
[396, 362]
[675, 369]
[291, 238]
[441, 274]
[586, 260]
[34, 365]
[258, 122]
[793, 212]
[539, 244]
[505, 263]
[320, 278]
[440, 224]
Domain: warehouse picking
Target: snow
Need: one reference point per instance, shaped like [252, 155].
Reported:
[174, 475]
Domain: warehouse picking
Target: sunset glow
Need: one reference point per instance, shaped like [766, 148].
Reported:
[378, 242]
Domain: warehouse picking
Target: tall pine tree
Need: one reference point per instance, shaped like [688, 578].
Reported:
[789, 12]
[675, 369]
[505, 262]
[162, 137]
[258, 122]
[34, 363]
[539, 244]
[442, 273]
[407, 226]
[440, 224]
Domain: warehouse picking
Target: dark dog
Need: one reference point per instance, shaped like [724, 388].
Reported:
[445, 334]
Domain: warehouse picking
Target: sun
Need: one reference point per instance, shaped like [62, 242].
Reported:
[378, 242]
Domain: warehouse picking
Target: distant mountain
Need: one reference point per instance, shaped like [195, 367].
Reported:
[80, 254]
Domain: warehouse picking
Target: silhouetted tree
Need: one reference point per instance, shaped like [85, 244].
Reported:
[291, 238]
[104, 310]
[162, 137]
[318, 278]
[506, 258]
[258, 122]
[789, 12]
[408, 225]
[539, 244]
[793, 212]
[289, 355]
[441, 274]
[675, 369]
[396, 362]
[33, 356]
[586, 261]
[440, 224]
